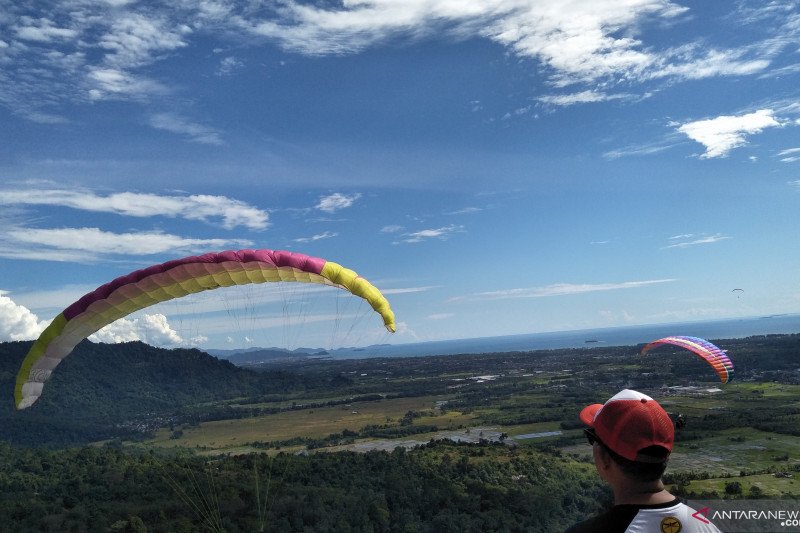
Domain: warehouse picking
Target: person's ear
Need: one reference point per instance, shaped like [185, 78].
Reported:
[603, 457]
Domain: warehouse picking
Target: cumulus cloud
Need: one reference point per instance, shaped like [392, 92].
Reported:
[560, 289]
[193, 207]
[336, 201]
[17, 322]
[722, 134]
[152, 329]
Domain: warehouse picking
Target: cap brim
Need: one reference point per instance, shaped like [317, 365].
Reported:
[588, 413]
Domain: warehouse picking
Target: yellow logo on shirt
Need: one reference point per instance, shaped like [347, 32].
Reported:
[671, 524]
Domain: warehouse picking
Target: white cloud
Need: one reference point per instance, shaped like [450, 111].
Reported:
[440, 316]
[574, 41]
[228, 65]
[795, 184]
[51, 300]
[692, 65]
[194, 207]
[174, 123]
[152, 329]
[95, 242]
[465, 211]
[42, 30]
[391, 229]
[135, 40]
[336, 201]
[560, 289]
[790, 155]
[406, 290]
[19, 252]
[722, 134]
[120, 83]
[517, 112]
[645, 149]
[577, 42]
[580, 41]
[701, 240]
[17, 322]
[122, 330]
[320, 236]
[439, 233]
[583, 97]
[108, 43]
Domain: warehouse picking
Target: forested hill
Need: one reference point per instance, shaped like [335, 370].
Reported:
[101, 389]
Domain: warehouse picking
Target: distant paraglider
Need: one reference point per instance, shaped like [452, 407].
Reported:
[174, 279]
[713, 355]
[738, 292]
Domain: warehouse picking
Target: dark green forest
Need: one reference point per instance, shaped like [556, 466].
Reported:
[439, 487]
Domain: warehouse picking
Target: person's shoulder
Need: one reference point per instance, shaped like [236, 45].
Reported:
[671, 516]
[668, 516]
[617, 519]
[698, 523]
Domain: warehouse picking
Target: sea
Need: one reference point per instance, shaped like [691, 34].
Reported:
[587, 338]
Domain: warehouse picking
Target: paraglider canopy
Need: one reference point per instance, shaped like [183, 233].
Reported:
[174, 279]
[707, 351]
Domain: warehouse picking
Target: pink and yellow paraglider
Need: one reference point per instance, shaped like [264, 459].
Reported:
[175, 279]
[713, 355]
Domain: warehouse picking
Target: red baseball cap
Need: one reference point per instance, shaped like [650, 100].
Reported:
[629, 424]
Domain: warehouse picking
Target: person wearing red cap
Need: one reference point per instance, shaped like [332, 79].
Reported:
[631, 438]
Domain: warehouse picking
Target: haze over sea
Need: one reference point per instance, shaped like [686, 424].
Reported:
[586, 338]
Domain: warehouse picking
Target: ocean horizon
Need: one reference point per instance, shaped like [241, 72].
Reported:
[586, 338]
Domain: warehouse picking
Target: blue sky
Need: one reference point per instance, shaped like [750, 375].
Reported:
[493, 167]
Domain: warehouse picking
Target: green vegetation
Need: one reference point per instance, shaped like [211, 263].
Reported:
[441, 487]
[133, 438]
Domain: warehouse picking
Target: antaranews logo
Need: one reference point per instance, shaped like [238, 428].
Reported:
[760, 516]
[702, 515]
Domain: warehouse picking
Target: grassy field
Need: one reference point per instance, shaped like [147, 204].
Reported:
[768, 485]
[313, 423]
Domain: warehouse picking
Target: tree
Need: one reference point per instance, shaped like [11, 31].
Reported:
[733, 487]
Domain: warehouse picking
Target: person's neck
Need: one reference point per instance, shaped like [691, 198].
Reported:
[641, 493]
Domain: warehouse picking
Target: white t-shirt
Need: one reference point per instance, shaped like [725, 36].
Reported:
[669, 517]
